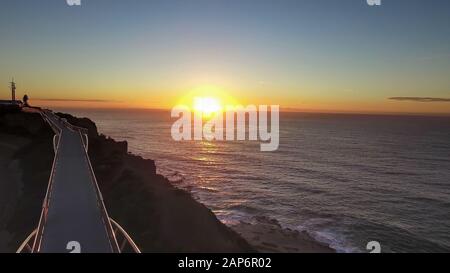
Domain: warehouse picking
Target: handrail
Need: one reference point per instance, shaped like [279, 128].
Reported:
[40, 229]
[101, 204]
[127, 238]
[44, 116]
[108, 222]
[117, 228]
[26, 243]
[105, 216]
[43, 218]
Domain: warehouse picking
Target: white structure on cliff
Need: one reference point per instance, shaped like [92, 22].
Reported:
[13, 102]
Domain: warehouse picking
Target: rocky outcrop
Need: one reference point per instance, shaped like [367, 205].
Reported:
[160, 217]
[30, 139]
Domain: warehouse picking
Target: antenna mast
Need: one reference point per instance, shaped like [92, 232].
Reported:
[13, 91]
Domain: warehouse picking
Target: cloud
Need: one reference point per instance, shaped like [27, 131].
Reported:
[421, 99]
[75, 100]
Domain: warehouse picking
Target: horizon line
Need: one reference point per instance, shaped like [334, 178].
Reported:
[289, 110]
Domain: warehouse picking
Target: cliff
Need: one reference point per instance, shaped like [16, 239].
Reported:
[26, 157]
[158, 216]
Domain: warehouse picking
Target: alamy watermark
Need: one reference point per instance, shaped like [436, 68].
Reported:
[73, 2]
[74, 247]
[241, 123]
[374, 247]
[374, 2]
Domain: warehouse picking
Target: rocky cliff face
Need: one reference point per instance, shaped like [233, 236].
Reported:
[158, 216]
[26, 157]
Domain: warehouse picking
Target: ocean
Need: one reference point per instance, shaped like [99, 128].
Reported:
[345, 179]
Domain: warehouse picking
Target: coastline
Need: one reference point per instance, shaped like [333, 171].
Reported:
[268, 236]
[159, 216]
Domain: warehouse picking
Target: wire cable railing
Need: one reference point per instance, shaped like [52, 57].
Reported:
[33, 242]
[126, 245]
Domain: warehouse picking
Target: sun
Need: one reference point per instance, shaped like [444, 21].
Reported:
[207, 106]
[207, 100]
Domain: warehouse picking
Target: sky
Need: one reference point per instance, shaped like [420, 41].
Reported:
[308, 55]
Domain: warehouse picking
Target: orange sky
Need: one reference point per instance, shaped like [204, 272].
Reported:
[346, 58]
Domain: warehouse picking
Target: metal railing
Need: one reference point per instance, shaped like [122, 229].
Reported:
[26, 247]
[126, 245]
[43, 219]
[101, 204]
[32, 243]
[40, 229]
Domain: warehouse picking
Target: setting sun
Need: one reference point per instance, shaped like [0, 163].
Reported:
[206, 100]
[207, 105]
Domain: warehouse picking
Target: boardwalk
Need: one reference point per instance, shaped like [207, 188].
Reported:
[74, 212]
